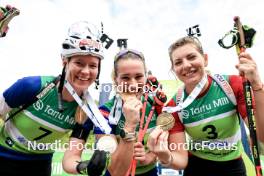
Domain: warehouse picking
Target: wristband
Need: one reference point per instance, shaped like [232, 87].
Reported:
[81, 167]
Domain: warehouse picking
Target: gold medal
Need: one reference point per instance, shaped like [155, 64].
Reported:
[107, 143]
[165, 121]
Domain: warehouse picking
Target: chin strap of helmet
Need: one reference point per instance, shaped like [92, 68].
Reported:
[98, 75]
[60, 88]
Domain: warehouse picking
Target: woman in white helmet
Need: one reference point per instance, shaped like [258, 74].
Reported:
[49, 105]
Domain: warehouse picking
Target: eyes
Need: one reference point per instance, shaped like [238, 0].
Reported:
[127, 77]
[82, 64]
[190, 57]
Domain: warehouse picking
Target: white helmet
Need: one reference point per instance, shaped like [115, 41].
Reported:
[83, 39]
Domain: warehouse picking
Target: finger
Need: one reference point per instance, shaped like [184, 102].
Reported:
[134, 103]
[247, 68]
[244, 60]
[139, 149]
[140, 158]
[139, 152]
[131, 99]
[138, 107]
[138, 145]
[153, 138]
[163, 138]
[245, 55]
[155, 133]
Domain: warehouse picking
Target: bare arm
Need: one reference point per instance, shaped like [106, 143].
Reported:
[122, 157]
[180, 154]
[72, 155]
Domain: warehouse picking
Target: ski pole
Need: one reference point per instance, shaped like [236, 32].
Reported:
[240, 46]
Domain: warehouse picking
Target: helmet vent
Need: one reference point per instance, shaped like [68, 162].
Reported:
[76, 37]
[65, 46]
[82, 47]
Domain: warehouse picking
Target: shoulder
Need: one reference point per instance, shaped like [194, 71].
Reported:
[236, 83]
[46, 79]
[22, 91]
[232, 79]
[235, 79]
[27, 82]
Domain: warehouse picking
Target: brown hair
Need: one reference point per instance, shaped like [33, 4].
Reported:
[183, 41]
[80, 115]
[125, 55]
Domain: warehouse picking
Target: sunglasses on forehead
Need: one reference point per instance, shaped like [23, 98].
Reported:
[124, 52]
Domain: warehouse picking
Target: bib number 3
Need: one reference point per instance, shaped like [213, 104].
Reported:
[211, 131]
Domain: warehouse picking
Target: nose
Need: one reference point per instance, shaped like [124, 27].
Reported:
[186, 64]
[85, 69]
[133, 85]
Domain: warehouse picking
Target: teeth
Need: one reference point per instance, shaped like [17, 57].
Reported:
[189, 73]
[83, 79]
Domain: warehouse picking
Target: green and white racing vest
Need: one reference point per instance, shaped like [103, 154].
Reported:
[212, 124]
[106, 108]
[39, 128]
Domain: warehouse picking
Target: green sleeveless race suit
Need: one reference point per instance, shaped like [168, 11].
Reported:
[106, 108]
[37, 129]
[212, 123]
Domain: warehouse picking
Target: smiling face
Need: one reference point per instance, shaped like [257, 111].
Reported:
[81, 71]
[189, 64]
[130, 75]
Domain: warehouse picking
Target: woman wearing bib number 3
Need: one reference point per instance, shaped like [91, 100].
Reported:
[207, 109]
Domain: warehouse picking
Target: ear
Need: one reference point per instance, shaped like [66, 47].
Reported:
[205, 60]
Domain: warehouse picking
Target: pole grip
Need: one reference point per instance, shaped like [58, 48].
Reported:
[241, 34]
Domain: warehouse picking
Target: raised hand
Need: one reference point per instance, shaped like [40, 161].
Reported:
[158, 143]
[247, 67]
[139, 152]
[131, 110]
[6, 15]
